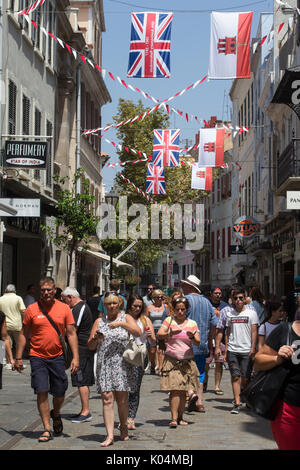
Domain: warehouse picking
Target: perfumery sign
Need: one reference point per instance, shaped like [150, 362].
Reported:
[293, 200]
[246, 227]
[25, 154]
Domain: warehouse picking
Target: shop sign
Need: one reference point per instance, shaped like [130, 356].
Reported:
[25, 154]
[293, 199]
[246, 228]
[24, 207]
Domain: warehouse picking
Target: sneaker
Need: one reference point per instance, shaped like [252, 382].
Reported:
[235, 410]
[82, 418]
[8, 367]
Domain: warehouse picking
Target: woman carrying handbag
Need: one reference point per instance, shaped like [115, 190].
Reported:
[275, 352]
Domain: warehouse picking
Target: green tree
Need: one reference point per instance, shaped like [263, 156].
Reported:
[75, 223]
[139, 136]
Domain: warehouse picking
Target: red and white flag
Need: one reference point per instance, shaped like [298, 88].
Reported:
[230, 45]
[211, 147]
[201, 178]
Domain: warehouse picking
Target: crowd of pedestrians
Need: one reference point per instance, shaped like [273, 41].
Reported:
[185, 334]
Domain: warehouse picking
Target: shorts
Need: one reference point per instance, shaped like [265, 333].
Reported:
[49, 375]
[240, 365]
[220, 359]
[200, 360]
[84, 377]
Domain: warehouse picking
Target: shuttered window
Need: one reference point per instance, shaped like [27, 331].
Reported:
[12, 104]
[37, 131]
[49, 130]
[26, 116]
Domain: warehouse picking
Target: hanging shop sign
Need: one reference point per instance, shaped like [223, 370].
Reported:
[293, 200]
[288, 90]
[246, 228]
[25, 154]
[23, 207]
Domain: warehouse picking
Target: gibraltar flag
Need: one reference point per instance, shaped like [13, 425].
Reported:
[201, 178]
[230, 45]
[211, 147]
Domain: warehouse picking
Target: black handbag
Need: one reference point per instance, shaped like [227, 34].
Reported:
[68, 356]
[264, 388]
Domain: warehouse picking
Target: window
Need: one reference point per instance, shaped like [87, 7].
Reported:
[223, 243]
[212, 245]
[12, 103]
[37, 132]
[50, 30]
[26, 115]
[49, 130]
[228, 239]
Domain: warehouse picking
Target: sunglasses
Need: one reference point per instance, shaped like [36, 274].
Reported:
[110, 293]
[47, 290]
[241, 297]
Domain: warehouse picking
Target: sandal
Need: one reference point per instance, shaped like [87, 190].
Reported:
[57, 423]
[124, 433]
[108, 442]
[182, 422]
[192, 403]
[204, 386]
[44, 438]
[130, 424]
[200, 409]
[173, 424]
[219, 392]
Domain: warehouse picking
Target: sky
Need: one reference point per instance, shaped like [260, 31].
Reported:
[190, 40]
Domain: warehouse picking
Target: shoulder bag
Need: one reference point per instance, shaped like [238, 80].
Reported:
[135, 354]
[264, 388]
[68, 356]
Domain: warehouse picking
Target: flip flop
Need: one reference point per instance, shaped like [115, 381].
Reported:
[182, 422]
[44, 438]
[192, 403]
[57, 423]
[219, 392]
[200, 409]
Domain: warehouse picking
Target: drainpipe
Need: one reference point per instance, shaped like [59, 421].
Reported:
[78, 122]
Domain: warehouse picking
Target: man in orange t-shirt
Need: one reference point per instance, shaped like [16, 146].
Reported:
[46, 354]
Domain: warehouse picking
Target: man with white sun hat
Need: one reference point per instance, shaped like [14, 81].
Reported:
[202, 312]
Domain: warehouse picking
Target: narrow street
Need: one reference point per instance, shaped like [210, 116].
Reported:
[217, 429]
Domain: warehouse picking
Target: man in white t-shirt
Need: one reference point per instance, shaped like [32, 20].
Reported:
[241, 338]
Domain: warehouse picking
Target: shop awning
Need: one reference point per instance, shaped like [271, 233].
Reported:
[103, 257]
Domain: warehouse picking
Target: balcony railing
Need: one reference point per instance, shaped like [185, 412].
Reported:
[288, 162]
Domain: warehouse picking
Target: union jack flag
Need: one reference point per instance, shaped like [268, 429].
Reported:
[155, 182]
[150, 44]
[166, 147]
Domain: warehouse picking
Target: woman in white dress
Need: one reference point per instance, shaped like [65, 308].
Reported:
[114, 376]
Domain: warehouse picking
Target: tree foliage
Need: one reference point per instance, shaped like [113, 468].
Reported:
[75, 222]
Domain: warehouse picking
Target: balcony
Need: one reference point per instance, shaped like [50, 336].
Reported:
[288, 169]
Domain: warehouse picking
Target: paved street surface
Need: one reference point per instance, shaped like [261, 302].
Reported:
[217, 429]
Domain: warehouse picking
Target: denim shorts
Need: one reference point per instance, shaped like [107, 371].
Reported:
[240, 365]
[48, 375]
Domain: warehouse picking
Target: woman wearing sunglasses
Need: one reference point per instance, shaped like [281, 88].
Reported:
[156, 313]
[136, 308]
[179, 373]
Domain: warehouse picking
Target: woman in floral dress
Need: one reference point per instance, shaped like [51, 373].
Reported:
[114, 375]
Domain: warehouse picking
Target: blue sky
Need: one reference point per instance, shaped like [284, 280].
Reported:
[189, 62]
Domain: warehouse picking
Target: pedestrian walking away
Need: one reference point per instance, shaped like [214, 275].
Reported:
[114, 288]
[241, 340]
[5, 342]
[84, 377]
[13, 307]
[46, 354]
[114, 375]
[272, 320]
[93, 302]
[202, 312]
[218, 304]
